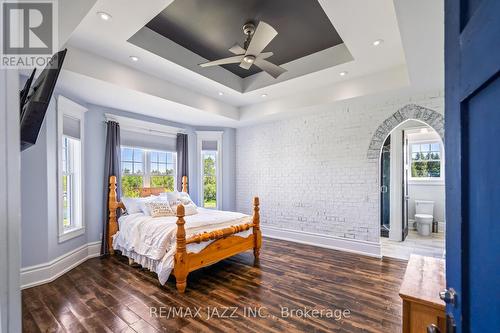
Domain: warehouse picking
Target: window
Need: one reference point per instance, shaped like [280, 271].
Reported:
[132, 171]
[146, 168]
[209, 178]
[426, 160]
[210, 153]
[70, 169]
[70, 183]
[162, 170]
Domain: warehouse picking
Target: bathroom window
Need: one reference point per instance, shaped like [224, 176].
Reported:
[426, 160]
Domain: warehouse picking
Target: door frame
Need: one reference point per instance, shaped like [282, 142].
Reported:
[10, 203]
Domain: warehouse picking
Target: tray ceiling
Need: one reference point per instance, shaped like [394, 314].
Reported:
[210, 27]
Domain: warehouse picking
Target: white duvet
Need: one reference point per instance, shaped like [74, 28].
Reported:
[151, 242]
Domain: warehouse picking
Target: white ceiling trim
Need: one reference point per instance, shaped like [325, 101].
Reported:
[364, 86]
[423, 40]
[85, 63]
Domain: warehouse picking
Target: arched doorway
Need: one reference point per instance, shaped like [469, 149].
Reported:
[409, 151]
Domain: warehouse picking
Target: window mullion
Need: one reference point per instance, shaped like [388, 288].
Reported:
[147, 168]
[174, 159]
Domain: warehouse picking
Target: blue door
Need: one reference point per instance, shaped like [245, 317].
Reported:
[472, 61]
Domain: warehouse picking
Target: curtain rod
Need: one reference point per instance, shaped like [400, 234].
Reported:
[179, 130]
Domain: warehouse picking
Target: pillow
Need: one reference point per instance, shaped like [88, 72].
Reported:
[190, 209]
[159, 208]
[185, 199]
[171, 197]
[176, 198]
[142, 204]
[132, 205]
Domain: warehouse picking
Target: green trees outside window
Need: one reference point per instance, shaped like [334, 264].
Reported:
[209, 180]
[131, 185]
[146, 168]
[426, 160]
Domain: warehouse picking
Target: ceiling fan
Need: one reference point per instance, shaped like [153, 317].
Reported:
[251, 54]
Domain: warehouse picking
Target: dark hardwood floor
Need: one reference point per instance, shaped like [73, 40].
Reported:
[107, 295]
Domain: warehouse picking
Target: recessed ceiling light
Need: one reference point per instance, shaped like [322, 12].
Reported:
[104, 16]
[263, 95]
[134, 58]
[344, 73]
[378, 42]
[221, 93]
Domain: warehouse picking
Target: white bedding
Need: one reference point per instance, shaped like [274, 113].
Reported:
[151, 242]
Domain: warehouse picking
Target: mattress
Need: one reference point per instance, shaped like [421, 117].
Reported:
[151, 242]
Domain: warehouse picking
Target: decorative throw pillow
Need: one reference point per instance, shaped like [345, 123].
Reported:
[143, 204]
[159, 209]
[133, 205]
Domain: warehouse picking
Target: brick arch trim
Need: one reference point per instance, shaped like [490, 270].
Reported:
[410, 111]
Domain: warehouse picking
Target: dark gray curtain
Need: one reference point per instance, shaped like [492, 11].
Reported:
[111, 168]
[182, 159]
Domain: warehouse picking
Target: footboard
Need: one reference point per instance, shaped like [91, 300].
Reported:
[226, 244]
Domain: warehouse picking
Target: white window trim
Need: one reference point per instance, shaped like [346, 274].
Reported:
[146, 162]
[426, 180]
[66, 107]
[210, 136]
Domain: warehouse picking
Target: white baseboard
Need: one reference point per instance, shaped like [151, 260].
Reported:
[371, 249]
[47, 272]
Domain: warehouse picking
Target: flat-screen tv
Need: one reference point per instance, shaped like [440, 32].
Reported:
[35, 99]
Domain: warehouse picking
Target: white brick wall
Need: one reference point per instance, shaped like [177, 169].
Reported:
[312, 172]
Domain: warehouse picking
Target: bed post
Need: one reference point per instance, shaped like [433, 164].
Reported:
[112, 206]
[257, 235]
[180, 265]
[185, 184]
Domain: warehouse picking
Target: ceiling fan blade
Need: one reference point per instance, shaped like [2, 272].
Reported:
[237, 49]
[269, 67]
[263, 35]
[230, 60]
[265, 55]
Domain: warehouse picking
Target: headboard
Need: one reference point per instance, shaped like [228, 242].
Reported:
[114, 204]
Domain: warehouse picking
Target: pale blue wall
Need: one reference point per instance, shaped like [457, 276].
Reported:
[39, 181]
[39, 228]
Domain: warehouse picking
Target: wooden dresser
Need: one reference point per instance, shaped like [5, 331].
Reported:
[424, 279]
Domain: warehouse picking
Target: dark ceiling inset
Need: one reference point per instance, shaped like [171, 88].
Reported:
[210, 27]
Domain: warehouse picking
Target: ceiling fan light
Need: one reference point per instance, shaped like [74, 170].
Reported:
[249, 59]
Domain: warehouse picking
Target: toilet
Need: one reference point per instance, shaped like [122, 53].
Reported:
[424, 215]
